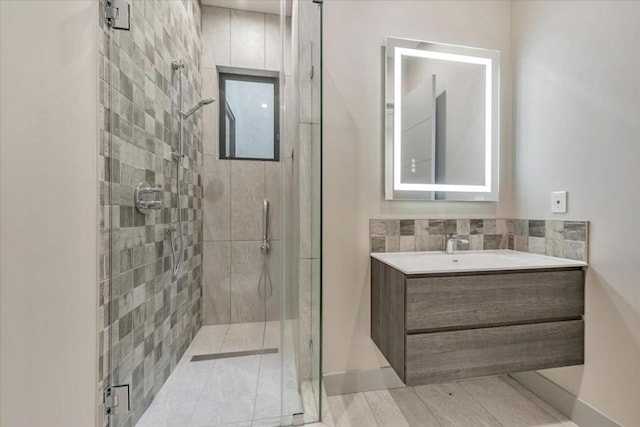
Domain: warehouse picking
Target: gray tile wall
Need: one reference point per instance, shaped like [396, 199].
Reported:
[565, 239]
[234, 289]
[150, 317]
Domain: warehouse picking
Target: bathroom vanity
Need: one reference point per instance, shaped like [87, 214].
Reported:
[439, 317]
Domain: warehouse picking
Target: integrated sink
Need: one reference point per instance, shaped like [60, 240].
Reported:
[468, 261]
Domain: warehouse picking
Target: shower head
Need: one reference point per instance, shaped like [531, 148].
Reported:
[197, 107]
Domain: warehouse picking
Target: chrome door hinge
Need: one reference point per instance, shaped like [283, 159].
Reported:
[116, 399]
[117, 13]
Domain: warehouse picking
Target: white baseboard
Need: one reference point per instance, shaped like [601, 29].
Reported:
[573, 408]
[358, 381]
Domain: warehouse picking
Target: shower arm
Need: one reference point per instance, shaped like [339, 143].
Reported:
[186, 114]
[199, 105]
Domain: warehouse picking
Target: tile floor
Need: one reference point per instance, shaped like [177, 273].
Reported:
[238, 391]
[246, 391]
[491, 402]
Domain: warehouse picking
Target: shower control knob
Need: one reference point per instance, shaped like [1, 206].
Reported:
[147, 198]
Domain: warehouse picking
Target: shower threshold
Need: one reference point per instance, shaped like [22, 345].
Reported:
[212, 356]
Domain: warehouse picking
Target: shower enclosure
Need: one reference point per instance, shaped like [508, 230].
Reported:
[210, 287]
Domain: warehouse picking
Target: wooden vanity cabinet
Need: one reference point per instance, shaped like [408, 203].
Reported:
[441, 327]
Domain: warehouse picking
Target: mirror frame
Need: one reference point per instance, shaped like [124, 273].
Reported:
[489, 190]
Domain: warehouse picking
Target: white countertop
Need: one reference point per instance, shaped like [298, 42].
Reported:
[468, 261]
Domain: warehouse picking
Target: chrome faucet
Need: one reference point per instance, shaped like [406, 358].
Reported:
[451, 242]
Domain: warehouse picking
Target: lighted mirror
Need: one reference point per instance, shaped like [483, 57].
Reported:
[441, 121]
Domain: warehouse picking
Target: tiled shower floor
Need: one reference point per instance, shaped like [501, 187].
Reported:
[231, 391]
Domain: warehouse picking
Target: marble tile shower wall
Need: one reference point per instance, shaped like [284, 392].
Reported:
[237, 287]
[150, 317]
[565, 239]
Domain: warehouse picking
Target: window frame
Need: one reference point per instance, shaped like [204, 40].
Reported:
[222, 79]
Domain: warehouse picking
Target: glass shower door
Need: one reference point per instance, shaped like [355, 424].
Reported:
[172, 268]
[153, 195]
[304, 181]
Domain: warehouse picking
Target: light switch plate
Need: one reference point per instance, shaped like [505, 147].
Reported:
[559, 202]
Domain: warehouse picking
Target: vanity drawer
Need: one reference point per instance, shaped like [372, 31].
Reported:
[445, 356]
[463, 301]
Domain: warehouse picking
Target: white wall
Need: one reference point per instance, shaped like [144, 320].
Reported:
[577, 128]
[353, 147]
[48, 213]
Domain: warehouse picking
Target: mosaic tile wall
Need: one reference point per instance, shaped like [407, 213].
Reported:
[150, 317]
[565, 239]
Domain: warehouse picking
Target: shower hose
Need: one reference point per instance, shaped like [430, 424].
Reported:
[265, 277]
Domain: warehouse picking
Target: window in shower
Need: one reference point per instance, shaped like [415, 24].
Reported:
[249, 122]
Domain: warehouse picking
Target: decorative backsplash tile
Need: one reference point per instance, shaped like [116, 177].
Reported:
[406, 235]
[565, 239]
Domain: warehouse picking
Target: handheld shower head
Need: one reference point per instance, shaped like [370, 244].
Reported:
[197, 107]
